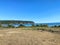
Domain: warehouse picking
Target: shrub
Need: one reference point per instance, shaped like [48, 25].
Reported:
[43, 25]
[10, 26]
[21, 25]
[56, 26]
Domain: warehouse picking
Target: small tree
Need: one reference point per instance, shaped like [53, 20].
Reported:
[33, 25]
[55, 26]
[45, 25]
[37, 25]
[21, 25]
[59, 26]
[10, 26]
[42, 25]
[0, 25]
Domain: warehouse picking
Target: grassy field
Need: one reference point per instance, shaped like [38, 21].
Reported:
[26, 36]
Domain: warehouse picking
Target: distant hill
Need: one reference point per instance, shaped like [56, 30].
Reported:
[15, 21]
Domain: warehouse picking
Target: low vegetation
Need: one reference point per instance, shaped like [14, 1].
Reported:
[56, 26]
[33, 35]
[41, 25]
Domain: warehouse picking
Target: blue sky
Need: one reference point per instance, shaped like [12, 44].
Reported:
[39, 11]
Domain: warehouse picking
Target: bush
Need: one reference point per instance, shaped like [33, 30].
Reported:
[42, 25]
[59, 26]
[33, 25]
[10, 26]
[21, 25]
[56, 26]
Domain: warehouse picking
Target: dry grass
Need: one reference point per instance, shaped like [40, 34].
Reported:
[19, 36]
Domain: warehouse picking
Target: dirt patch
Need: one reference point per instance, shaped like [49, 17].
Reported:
[28, 37]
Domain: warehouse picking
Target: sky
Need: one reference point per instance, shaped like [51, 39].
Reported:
[39, 11]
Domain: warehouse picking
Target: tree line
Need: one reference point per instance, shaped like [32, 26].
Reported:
[32, 25]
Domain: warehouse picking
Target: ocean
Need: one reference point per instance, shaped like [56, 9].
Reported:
[50, 24]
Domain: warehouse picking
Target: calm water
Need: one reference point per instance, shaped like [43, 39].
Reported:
[50, 24]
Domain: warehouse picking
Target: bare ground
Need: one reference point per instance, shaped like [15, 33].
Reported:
[18, 36]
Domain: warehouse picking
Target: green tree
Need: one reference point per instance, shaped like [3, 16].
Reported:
[21, 25]
[0, 25]
[42, 25]
[33, 25]
[10, 26]
[58, 25]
